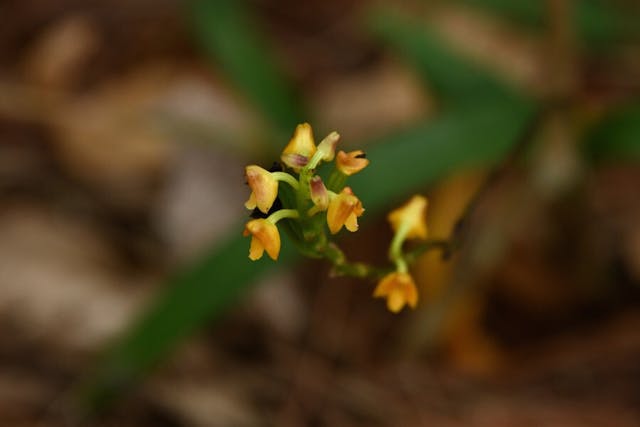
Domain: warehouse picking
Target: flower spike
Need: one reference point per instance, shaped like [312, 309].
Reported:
[307, 203]
[301, 147]
[264, 237]
[350, 163]
[264, 188]
[344, 209]
[399, 289]
[412, 217]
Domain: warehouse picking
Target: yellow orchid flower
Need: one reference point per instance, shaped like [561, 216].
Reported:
[264, 188]
[352, 162]
[264, 237]
[344, 209]
[411, 218]
[300, 149]
[399, 289]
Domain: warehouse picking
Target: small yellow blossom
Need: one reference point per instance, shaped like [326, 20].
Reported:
[399, 289]
[264, 237]
[413, 216]
[352, 162]
[344, 209]
[264, 188]
[300, 148]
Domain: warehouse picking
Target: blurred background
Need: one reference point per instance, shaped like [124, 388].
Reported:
[126, 295]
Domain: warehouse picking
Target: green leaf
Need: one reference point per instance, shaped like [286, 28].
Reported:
[616, 137]
[456, 81]
[196, 295]
[227, 32]
[598, 22]
[405, 162]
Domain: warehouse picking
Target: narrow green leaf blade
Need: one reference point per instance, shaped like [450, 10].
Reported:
[616, 137]
[226, 31]
[191, 298]
[597, 22]
[407, 161]
[456, 80]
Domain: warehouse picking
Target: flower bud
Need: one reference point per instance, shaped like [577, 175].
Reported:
[319, 193]
[328, 146]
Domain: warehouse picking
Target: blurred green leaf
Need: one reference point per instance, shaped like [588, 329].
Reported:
[400, 164]
[456, 81]
[192, 297]
[598, 22]
[225, 31]
[407, 161]
[529, 12]
[616, 137]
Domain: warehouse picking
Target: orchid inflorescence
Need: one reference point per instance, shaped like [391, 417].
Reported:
[293, 195]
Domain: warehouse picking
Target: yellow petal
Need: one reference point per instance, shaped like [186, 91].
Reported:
[251, 203]
[412, 215]
[411, 294]
[265, 237]
[256, 250]
[396, 300]
[350, 163]
[385, 286]
[343, 208]
[399, 289]
[300, 148]
[351, 223]
[264, 187]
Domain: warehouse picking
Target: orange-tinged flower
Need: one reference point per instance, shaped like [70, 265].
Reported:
[264, 237]
[300, 148]
[399, 289]
[344, 209]
[264, 188]
[412, 216]
[352, 162]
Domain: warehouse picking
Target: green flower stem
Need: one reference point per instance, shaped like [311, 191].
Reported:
[446, 246]
[401, 265]
[315, 160]
[342, 267]
[303, 196]
[333, 253]
[336, 181]
[395, 249]
[359, 270]
[285, 177]
[282, 214]
[314, 210]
